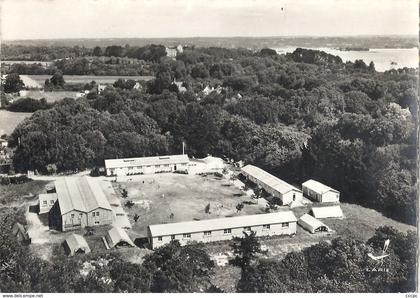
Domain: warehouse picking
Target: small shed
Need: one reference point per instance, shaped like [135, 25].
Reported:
[312, 224]
[117, 237]
[327, 212]
[320, 192]
[76, 244]
[21, 234]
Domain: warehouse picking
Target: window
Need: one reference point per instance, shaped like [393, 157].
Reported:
[188, 235]
[157, 166]
[266, 227]
[130, 168]
[285, 225]
[80, 215]
[96, 222]
[160, 238]
[207, 233]
[227, 231]
[45, 202]
[72, 216]
[172, 237]
[294, 196]
[52, 202]
[247, 229]
[97, 213]
[93, 214]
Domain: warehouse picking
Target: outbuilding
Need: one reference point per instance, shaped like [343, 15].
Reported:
[320, 192]
[286, 192]
[117, 237]
[327, 212]
[76, 244]
[146, 165]
[312, 224]
[218, 229]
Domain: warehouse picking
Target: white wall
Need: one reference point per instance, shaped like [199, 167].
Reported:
[218, 235]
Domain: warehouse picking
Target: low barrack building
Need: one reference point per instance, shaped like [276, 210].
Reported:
[219, 229]
[46, 202]
[312, 224]
[320, 192]
[117, 237]
[276, 187]
[146, 165]
[327, 212]
[80, 203]
[76, 244]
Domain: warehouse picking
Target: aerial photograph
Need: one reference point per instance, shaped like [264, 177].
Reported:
[196, 146]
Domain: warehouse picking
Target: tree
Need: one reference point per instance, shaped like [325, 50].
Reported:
[97, 51]
[124, 193]
[13, 83]
[239, 207]
[207, 208]
[245, 249]
[57, 79]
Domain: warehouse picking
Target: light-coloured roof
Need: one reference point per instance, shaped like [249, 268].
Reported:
[312, 221]
[272, 181]
[82, 194]
[326, 212]
[117, 235]
[47, 196]
[221, 223]
[318, 187]
[76, 242]
[146, 161]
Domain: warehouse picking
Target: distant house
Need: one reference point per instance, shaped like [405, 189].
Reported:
[218, 229]
[180, 86]
[327, 212]
[312, 224]
[146, 165]
[271, 184]
[21, 234]
[173, 51]
[320, 192]
[80, 203]
[117, 237]
[76, 244]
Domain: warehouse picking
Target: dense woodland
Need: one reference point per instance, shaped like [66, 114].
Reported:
[301, 115]
[342, 266]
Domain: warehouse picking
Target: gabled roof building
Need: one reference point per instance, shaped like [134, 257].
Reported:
[327, 212]
[80, 203]
[218, 229]
[117, 237]
[76, 244]
[286, 192]
[312, 224]
[320, 192]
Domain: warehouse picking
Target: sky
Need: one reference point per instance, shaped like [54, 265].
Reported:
[51, 19]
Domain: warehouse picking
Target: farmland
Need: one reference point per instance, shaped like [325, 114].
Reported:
[50, 96]
[74, 79]
[9, 120]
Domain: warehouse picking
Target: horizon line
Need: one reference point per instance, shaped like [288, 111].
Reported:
[233, 36]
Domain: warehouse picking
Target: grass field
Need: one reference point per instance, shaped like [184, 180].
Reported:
[9, 120]
[156, 197]
[40, 79]
[50, 96]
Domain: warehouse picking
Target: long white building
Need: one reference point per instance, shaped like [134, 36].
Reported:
[146, 165]
[286, 192]
[218, 229]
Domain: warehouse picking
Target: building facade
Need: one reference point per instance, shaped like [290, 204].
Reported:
[146, 165]
[80, 203]
[320, 192]
[219, 229]
[276, 187]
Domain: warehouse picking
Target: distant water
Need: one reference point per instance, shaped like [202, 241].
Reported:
[381, 57]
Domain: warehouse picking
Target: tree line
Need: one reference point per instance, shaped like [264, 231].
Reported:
[299, 116]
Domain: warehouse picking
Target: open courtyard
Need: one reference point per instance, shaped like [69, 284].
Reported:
[168, 198]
